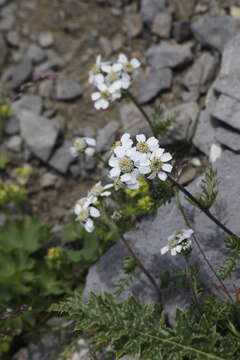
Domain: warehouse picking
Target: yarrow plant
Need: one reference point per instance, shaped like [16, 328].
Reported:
[83, 145]
[111, 79]
[178, 243]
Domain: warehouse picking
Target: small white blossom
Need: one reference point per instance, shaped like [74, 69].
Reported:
[83, 144]
[178, 242]
[99, 190]
[85, 212]
[157, 165]
[101, 98]
[129, 66]
[95, 74]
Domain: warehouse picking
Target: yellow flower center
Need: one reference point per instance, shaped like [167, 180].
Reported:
[112, 76]
[173, 242]
[156, 164]
[80, 144]
[97, 189]
[142, 147]
[128, 68]
[126, 165]
[105, 95]
[95, 69]
[83, 215]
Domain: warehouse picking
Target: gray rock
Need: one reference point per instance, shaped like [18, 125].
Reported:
[186, 119]
[3, 2]
[228, 81]
[35, 54]
[3, 53]
[39, 133]
[228, 111]
[215, 31]
[200, 74]
[137, 125]
[134, 25]
[106, 136]
[12, 126]
[150, 8]
[152, 234]
[162, 25]
[168, 55]
[150, 86]
[14, 143]
[20, 74]
[62, 158]
[228, 138]
[181, 31]
[46, 39]
[106, 46]
[7, 23]
[67, 89]
[29, 102]
[204, 136]
[13, 38]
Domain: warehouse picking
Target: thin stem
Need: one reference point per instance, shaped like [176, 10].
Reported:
[201, 207]
[189, 276]
[140, 108]
[201, 250]
[142, 267]
[114, 228]
[138, 5]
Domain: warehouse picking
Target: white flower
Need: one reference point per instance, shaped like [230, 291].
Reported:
[157, 165]
[99, 190]
[178, 242]
[84, 211]
[124, 145]
[83, 144]
[102, 97]
[95, 74]
[129, 66]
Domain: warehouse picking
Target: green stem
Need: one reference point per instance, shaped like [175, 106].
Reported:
[202, 208]
[143, 112]
[176, 344]
[189, 277]
[138, 5]
[114, 228]
[200, 248]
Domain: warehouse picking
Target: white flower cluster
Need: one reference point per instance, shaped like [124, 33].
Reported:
[128, 162]
[111, 78]
[85, 211]
[83, 145]
[178, 242]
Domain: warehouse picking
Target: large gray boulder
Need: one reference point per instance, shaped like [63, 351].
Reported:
[152, 233]
[215, 31]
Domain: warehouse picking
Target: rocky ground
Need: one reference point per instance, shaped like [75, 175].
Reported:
[190, 56]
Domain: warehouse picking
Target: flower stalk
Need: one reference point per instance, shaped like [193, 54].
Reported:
[223, 287]
[111, 224]
[189, 277]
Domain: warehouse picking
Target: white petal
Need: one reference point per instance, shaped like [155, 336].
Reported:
[173, 252]
[108, 186]
[135, 63]
[166, 157]
[102, 87]
[125, 137]
[164, 250]
[152, 142]
[162, 176]
[113, 161]
[94, 212]
[73, 151]
[115, 172]
[90, 151]
[141, 137]
[126, 177]
[167, 167]
[101, 104]
[90, 141]
[120, 151]
[98, 78]
[117, 67]
[122, 58]
[77, 209]
[99, 59]
[89, 226]
[159, 152]
[178, 248]
[144, 162]
[133, 186]
[144, 170]
[106, 193]
[152, 176]
[116, 95]
[95, 96]
[106, 68]
[115, 86]
[126, 81]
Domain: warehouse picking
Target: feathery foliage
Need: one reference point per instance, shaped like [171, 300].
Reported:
[232, 243]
